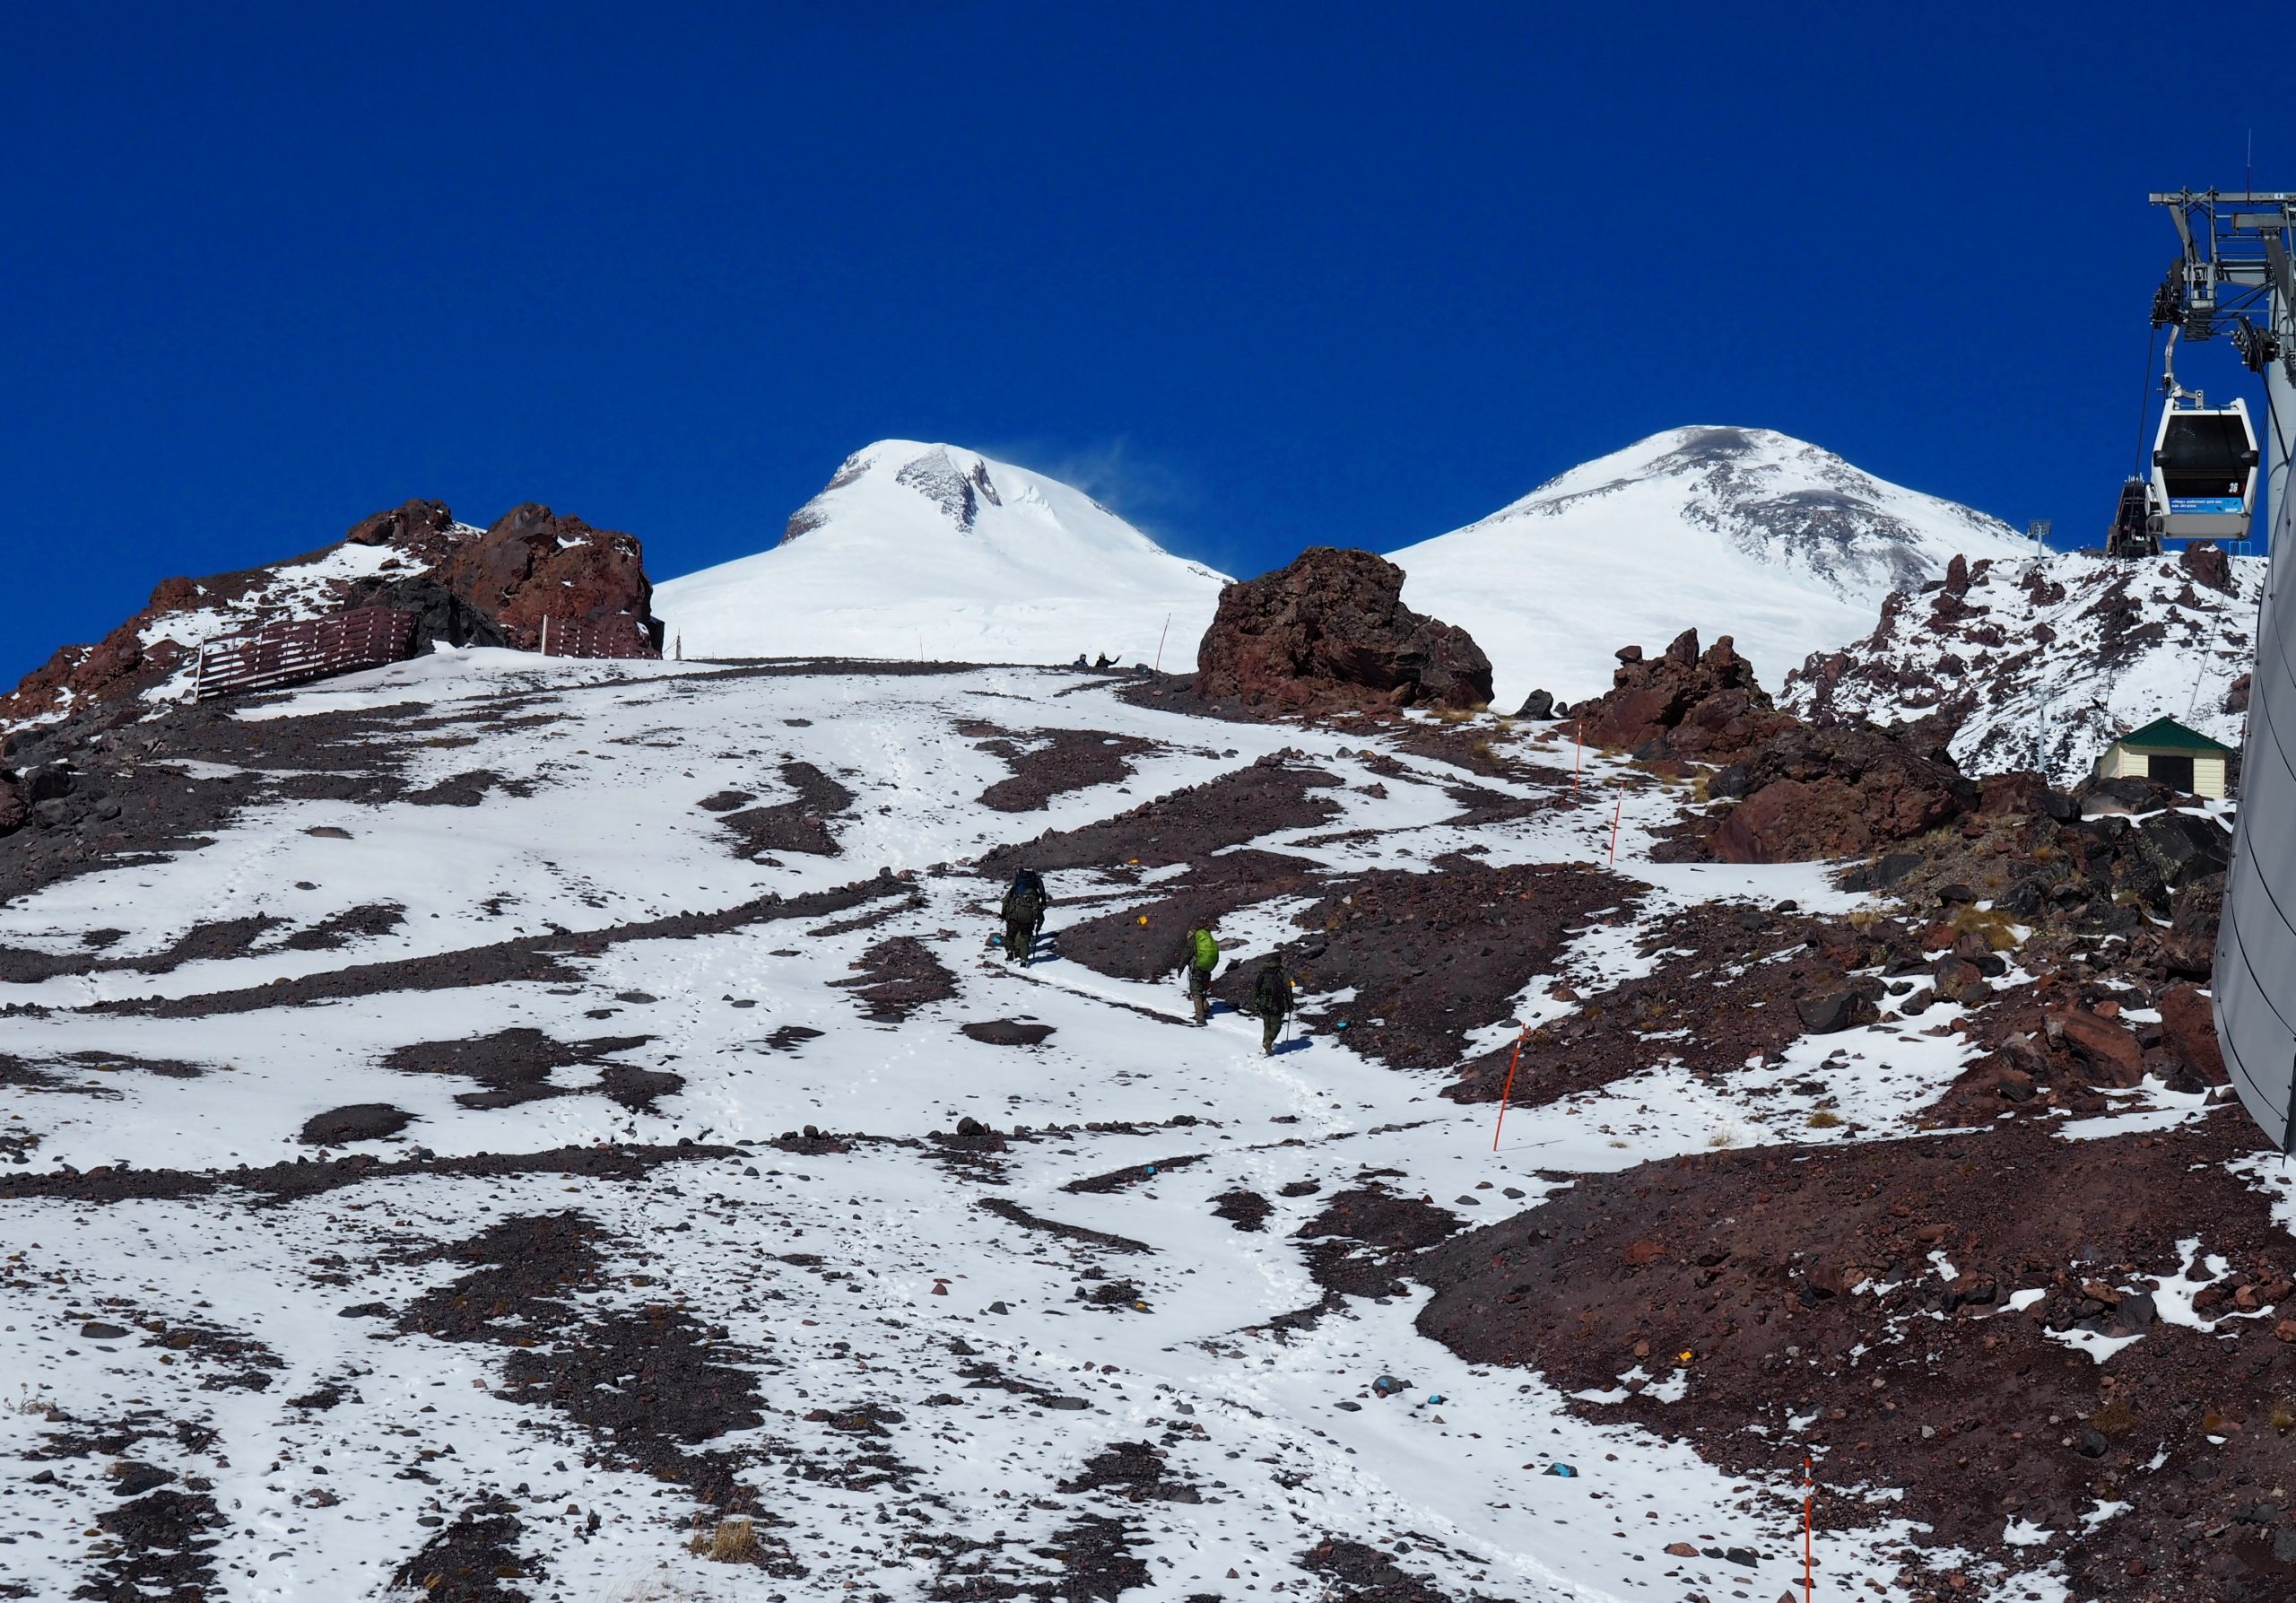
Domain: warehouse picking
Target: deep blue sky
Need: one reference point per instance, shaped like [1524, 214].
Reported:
[1260, 277]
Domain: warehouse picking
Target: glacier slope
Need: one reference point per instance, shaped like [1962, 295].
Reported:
[1743, 532]
[917, 550]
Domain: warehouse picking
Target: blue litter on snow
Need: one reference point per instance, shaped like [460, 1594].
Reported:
[1565, 1470]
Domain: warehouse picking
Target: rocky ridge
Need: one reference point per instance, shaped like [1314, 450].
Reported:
[466, 585]
[2040, 664]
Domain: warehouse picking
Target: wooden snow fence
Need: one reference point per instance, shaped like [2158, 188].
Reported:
[294, 653]
[618, 634]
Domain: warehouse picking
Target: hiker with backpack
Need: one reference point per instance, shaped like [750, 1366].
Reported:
[1271, 1000]
[1023, 910]
[1199, 955]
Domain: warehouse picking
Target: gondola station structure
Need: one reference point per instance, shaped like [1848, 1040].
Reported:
[2168, 753]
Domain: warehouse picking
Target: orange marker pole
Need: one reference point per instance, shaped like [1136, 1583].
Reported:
[1617, 812]
[1578, 753]
[1508, 1089]
[1808, 1491]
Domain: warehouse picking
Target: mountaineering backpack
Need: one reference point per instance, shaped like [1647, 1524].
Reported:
[1026, 899]
[1204, 952]
[1271, 991]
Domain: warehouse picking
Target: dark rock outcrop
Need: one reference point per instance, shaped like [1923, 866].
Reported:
[422, 529]
[1682, 703]
[1331, 634]
[1844, 791]
[533, 564]
[441, 617]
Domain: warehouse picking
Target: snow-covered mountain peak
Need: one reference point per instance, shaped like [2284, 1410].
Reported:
[1780, 500]
[952, 479]
[1738, 531]
[916, 546]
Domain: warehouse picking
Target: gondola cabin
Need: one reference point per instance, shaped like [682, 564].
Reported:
[2136, 530]
[2166, 752]
[2205, 471]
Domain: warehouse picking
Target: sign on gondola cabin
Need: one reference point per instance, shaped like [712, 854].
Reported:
[2166, 753]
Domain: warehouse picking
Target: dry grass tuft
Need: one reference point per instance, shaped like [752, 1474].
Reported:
[734, 1542]
[1825, 1118]
[1998, 929]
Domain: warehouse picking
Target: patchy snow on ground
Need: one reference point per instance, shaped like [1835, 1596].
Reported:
[911, 1353]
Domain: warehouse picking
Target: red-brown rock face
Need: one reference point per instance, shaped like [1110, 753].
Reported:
[1331, 633]
[533, 564]
[1682, 704]
[1845, 791]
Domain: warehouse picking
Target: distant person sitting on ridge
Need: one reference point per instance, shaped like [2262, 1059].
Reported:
[1106, 661]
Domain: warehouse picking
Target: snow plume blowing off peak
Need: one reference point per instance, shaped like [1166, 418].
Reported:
[915, 549]
[1743, 532]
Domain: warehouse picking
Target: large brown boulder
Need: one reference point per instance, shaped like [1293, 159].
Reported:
[2188, 1030]
[1329, 634]
[1706, 707]
[1845, 791]
[533, 564]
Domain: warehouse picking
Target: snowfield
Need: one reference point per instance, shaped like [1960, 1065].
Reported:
[511, 1356]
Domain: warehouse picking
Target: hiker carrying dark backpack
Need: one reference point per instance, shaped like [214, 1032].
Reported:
[1024, 905]
[1199, 955]
[1271, 1000]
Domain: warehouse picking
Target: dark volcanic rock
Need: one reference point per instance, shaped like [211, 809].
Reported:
[1842, 791]
[516, 1066]
[1331, 633]
[420, 528]
[897, 976]
[1769, 1272]
[361, 1122]
[1189, 823]
[1057, 761]
[1006, 1033]
[802, 826]
[1682, 704]
[533, 564]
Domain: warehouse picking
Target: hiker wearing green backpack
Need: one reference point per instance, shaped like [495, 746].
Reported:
[1199, 955]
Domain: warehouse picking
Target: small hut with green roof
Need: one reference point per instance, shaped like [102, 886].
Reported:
[2166, 752]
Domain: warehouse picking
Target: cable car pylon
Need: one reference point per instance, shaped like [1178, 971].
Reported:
[2203, 478]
